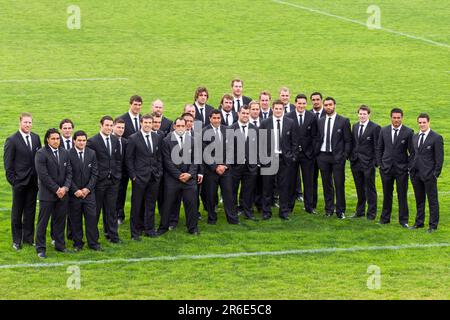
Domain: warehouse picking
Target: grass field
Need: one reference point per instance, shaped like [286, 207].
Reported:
[165, 50]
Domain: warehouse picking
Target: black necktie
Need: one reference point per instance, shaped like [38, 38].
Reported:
[300, 120]
[120, 146]
[56, 155]
[108, 146]
[227, 115]
[28, 143]
[285, 109]
[361, 128]
[81, 156]
[243, 131]
[279, 134]
[317, 115]
[203, 116]
[255, 123]
[328, 139]
[68, 144]
[217, 135]
[136, 125]
[238, 102]
[395, 135]
[265, 115]
[422, 137]
[181, 139]
[149, 146]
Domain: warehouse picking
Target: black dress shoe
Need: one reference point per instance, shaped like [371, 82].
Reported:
[42, 255]
[194, 233]
[250, 218]
[313, 211]
[404, 225]
[285, 218]
[116, 241]
[77, 249]
[383, 222]
[267, 217]
[328, 214]
[300, 198]
[16, 246]
[63, 250]
[152, 234]
[161, 232]
[431, 230]
[340, 216]
[137, 239]
[212, 222]
[96, 248]
[416, 227]
[199, 216]
[355, 216]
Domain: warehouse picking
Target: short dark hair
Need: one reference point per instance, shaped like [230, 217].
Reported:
[265, 93]
[49, 133]
[424, 115]
[187, 114]
[200, 90]
[79, 133]
[178, 119]
[301, 96]
[156, 115]
[364, 108]
[244, 107]
[146, 116]
[104, 118]
[135, 98]
[119, 120]
[215, 111]
[330, 99]
[315, 94]
[278, 101]
[63, 121]
[397, 110]
[226, 96]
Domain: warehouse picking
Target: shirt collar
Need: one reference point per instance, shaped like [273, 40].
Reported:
[78, 150]
[145, 133]
[132, 116]
[332, 117]
[426, 132]
[24, 134]
[104, 136]
[364, 123]
[300, 113]
[320, 111]
[399, 128]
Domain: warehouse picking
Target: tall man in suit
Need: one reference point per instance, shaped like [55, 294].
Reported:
[133, 116]
[264, 103]
[18, 156]
[333, 147]
[281, 131]
[144, 164]
[180, 180]
[239, 99]
[229, 116]
[319, 112]
[425, 168]
[202, 110]
[158, 107]
[55, 177]
[256, 120]
[82, 193]
[306, 133]
[365, 135]
[285, 97]
[118, 131]
[109, 162]
[394, 151]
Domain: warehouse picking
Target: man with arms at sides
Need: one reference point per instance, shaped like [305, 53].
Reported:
[285, 97]
[144, 164]
[245, 162]
[202, 110]
[319, 112]
[55, 177]
[365, 135]
[264, 103]
[239, 100]
[18, 156]
[256, 120]
[109, 163]
[158, 108]
[133, 116]
[118, 131]
[281, 130]
[180, 181]
[333, 147]
[394, 151]
[425, 169]
[306, 134]
[82, 193]
[229, 116]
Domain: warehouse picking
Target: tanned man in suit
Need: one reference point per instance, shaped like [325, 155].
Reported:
[118, 131]
[229, 116]
[333, 147]
[158, 108]
[55, 178]
[239, 99]
[18, 156]
[394, 151]
[133, 116]
[365, 135]
[202, 109]
[319, 112]
[425, 169]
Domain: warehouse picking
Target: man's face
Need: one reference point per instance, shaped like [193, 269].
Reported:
[189, 122]
[80, 142]
[285, 96]
[107, 127]
[278, 110]
[264, 102]
[158, 106]
[316, 102]
[66, 130]
[215, 120]
[329, 107]
[363, 116]
[227, 105]
[135, 107]
[254, 111]
[424, 124]
[300, 105]
[202, 98]
[147, 124]
[191, 110]
[54, 140]
[156, 123]
[244, 115]
[396, 119]
[26, 124]
[180, 127]
[119, 129]
[237, 88]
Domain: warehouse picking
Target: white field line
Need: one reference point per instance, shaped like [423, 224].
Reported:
[440, 44]
[224, 255]
[62, 80]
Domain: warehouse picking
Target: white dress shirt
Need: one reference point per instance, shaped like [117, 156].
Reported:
[132, 116]
[24, 136]
[393, 132]
[324, 142]
[424, 137]
[149, 134]
[275, 132]
[104, 141]
[364, 128]
[230, 117]
[235, 104]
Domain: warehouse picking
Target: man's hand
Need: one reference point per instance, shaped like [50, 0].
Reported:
[85, 191]
[220, 169]
[79, 194]
[61, 193]
[199, 179]
[184, 177]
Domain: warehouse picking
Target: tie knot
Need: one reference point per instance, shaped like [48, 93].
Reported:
[422, 134]
[107, 138]
[244, 127]
[147, 135]
[396, 130]
[27, 137]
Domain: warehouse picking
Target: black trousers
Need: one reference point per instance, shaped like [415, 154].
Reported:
[247, 179]
[366, 191]
[298, 183]
[422, 190]
[106, 199]
[174, 191]
[315, 184]
[211, 183]
[143, 204]
[258, 198]
[304, 166]
[80, 209]
[333, 181]
[175, 216]
[401, 180]
[23, 212]
[57, 210]
[122, 197]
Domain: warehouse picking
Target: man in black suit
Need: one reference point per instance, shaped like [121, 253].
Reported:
[18, 156]
[144, 164]
[202, 110]
[217, 170]
[109, 162]
[333, 147]
[285, 97]
[180, 180]
[118, 131]
[365, 135]
[158, 108]
[319, 112]
[306, 133]
[425, 168]
[229, 116]
[55, 177]
[245, 162]
[132, 117]
[394, 151]
[256, 120]
[282, 145]
[264, 103]
[82, 193]
[239, 100]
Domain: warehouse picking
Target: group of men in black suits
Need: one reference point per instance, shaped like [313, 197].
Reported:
[189, 159]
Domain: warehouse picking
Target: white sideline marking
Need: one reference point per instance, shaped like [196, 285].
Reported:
[440, 44]
[224, 255]
[62, 80]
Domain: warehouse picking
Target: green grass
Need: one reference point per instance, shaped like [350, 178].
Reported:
[167, 49]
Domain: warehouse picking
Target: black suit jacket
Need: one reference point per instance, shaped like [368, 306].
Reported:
[210, 166]
[19, 160]
[364, 147]
[52, 174]
[291, 108]
[143, 164]
[341, 137]
[234, 117]
[427, 160]
[322, 113]
[198, 116]
[289, 143]
[166, 125]
[250, 158]
[129, 125]
[84, 174]
[398, 155]
[306, 134]
[109, 166]
[269, 115]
